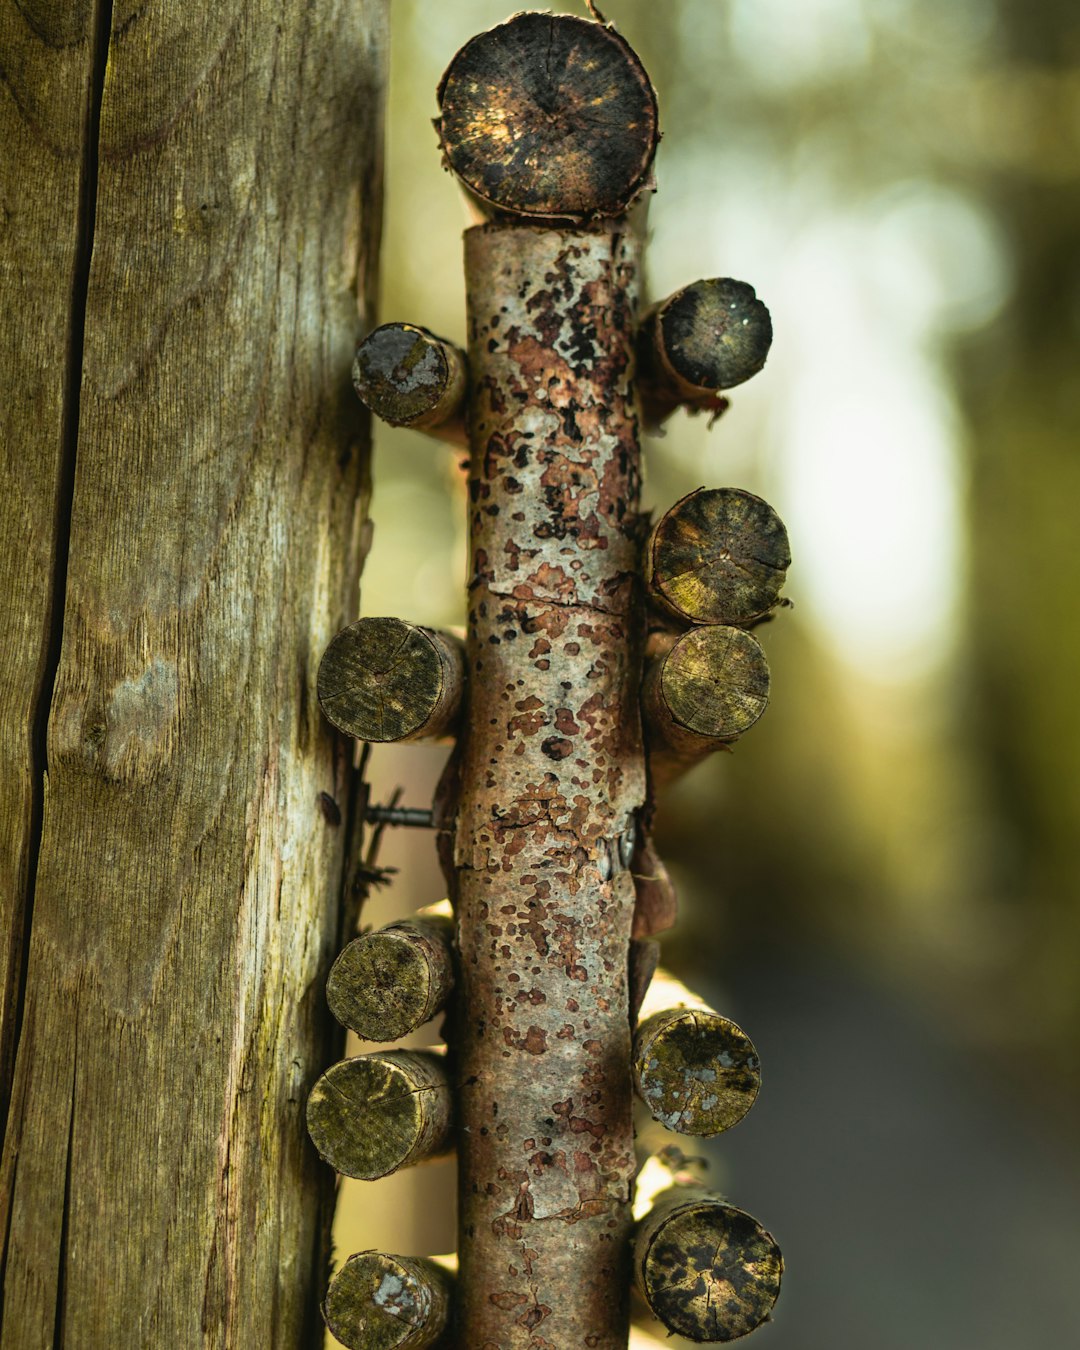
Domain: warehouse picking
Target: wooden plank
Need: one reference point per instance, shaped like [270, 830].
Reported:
[186, 909]
[45, 76]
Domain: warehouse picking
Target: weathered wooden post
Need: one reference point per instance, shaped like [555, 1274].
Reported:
[189, 218]
[589, 642]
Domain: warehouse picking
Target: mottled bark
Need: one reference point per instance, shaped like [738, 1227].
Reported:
[551, 777]
[387, 983]
[408, 377]
[709, 336]
[700, 694]
[708, 1271]
[719, 555]
[382, 1302]
[370, 1115]
[387, 680]
[549, 115]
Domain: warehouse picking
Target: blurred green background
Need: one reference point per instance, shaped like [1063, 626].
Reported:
[881, 884]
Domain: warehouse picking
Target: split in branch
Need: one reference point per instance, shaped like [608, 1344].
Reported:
[408, 377]
[387, 680]
[382, 1302]
[387, 983]
[371, 1115]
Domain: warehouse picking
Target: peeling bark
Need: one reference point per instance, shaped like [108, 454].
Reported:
[552, 774]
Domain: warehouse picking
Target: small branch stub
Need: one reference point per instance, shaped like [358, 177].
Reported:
[697, 1072]
[711, 335]
[382, 1302]
[709, 1272]
[387, 680]
[720, 555]
[549, 116]
[710, 687]
[371, 1115]
[408, 377]
[387, 983]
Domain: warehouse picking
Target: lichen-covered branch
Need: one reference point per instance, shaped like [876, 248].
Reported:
[551, 777]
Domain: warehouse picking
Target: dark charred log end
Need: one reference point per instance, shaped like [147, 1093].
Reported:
[549, 116]
[387, 680]
[697, 1072]
[719, 556]
[382, 1302]
[709, 1272]
[386, 984]
[401, 372]
[715, 682]
[371, 1115]
[715, 334]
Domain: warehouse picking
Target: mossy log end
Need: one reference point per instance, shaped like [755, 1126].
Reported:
[709, 687]
[388, 680]
[697, 1072]
[549, 116]
[711, 335]
[382, 1302]
[719, 555]
[371, 1115]
[408, 377]
[385, 984]
[709, 1272]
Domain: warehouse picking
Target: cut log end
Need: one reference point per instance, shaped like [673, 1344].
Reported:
[719, 556]
[715, 682]
[697, 1072]
[387, 680]
[374, 1114]
[408, 377]
[549, 116]
[382, 1302]
[715, 334]
[709, 1272]
[385, 984]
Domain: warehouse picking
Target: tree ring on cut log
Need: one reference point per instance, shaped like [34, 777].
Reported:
[720, 555]
[715, 334]
[715, 682]
[550, 116]
[382, 1302]
[697, 1072]
[407, 376]
[710, 1272]
[371, 1115]
[385, 984]
[388, 680]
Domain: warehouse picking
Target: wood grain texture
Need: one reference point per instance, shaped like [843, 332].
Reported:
[46, 76]
[159, 1186]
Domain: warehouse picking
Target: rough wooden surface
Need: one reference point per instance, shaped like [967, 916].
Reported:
[719, 555]
[387, 983]
[372, 1114]
[387, 680]
[381, 1302]
[552, 775]
[408, 377]
[549, 115]
[697, 1072]
[710, 686]
[708, 1271]
[157, 1186]
[711, 335]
